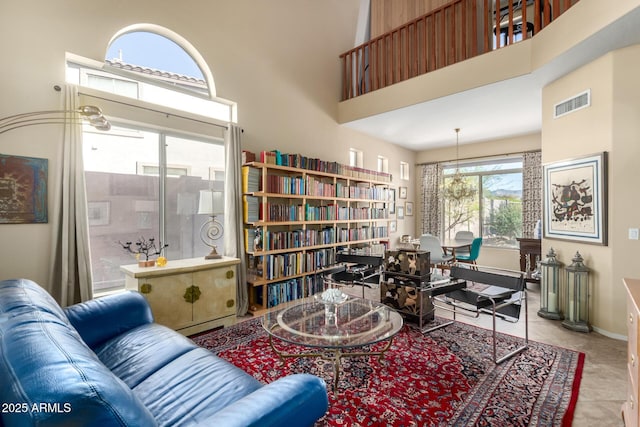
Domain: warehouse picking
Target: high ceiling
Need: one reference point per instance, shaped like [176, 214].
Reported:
[515, 104]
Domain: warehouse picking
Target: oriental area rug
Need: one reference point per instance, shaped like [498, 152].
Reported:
[443, 378]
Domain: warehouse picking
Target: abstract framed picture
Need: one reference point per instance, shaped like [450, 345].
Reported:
[23, 190]
[575, 199]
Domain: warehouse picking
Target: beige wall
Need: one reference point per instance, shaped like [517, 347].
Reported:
[277, 59]
[496, 257]
[610, 124]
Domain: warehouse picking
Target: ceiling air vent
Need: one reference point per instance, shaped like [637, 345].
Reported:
[582, 100]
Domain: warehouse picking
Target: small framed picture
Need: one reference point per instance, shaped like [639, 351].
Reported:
[402, 193]
[393, 226]
[408, 208]
[400, 212]
[391, 204]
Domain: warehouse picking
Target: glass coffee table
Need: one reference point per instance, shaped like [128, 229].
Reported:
[332, 330]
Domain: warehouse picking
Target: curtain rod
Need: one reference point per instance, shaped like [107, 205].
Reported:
[152, 110]
[479, 157]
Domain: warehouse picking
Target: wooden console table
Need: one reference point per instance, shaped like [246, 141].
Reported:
[188, 295]
[530, 254]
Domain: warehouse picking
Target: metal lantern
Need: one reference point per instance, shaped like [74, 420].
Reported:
[577, 296]
[550, 287]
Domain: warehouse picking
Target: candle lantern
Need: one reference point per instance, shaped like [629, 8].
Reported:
[577, 296]
[550, 287]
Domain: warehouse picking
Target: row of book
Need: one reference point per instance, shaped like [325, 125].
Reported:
[275, 157]
[251, 209]
[363, 192]
[251, 181]
[258, 239]
[362, 233]
[286, 265]
[347, 213]
[310, 186]
[277, 212]
[289, 290]
[270, 267]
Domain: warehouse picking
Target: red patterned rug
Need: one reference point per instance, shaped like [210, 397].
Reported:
[444, 378]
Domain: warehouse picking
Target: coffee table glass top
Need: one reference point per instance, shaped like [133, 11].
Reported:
[353, 322]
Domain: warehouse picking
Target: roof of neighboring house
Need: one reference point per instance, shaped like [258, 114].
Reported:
[165, 75]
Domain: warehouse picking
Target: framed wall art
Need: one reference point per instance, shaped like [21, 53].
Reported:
[392, 200]
[23, 190]
[408, 208]
[400, 212]
[575, 199]
[393, 226]
[402, 192]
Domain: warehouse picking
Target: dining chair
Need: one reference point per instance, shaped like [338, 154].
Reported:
[474, 252]
[437, 256]
[463, 235]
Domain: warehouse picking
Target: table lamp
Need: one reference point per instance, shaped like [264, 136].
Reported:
[212, 204]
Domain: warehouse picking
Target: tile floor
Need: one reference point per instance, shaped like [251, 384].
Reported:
[603, 388]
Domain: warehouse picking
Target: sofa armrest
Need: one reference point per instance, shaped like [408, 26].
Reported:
[101, 319]
[294, 400]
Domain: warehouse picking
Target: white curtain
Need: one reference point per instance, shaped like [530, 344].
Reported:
[233, 234]
[70, 271]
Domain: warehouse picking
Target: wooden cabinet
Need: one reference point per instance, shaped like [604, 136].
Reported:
[530, 254]
[630, 407]
[188, 295]
[295, 220]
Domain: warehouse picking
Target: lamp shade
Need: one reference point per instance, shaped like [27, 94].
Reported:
[211, 202]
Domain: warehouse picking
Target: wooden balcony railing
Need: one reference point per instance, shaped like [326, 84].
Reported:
[452, 33]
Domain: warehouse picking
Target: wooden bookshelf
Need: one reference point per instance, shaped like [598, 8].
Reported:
[302, 217]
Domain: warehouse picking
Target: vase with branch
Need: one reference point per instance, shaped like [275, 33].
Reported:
[145, 250]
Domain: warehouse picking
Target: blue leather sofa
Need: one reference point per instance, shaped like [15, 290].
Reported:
[105, 363]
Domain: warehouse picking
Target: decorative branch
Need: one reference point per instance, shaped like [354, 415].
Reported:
[144, 247]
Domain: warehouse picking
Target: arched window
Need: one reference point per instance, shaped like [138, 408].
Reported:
[165, 146]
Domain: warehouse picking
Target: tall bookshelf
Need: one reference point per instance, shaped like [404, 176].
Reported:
[296, 219]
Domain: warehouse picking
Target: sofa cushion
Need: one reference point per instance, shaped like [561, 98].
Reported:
[101, 319]
[22, 296]
[141, 352]
[50, 374]
[192, 388]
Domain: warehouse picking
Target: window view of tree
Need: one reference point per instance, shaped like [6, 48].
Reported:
[462, 215]
[495, 211]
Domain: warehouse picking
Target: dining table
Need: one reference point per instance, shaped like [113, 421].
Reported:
[451, 245]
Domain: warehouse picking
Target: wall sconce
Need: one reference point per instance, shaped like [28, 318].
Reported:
[577, 296]
[212, 204]
[90, 113]
[550, 287]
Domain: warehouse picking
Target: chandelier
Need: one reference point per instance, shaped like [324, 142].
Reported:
[458, 189]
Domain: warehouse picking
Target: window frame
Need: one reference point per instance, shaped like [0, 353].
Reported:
[448, 170]
[162, 135]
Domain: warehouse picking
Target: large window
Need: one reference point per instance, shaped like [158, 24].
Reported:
[143, 183]
[144, 176]
[495, 210]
